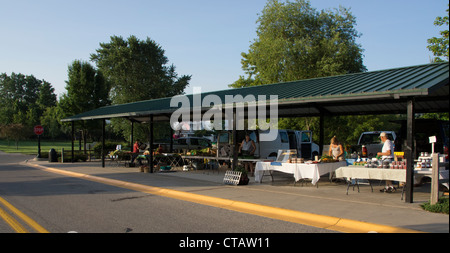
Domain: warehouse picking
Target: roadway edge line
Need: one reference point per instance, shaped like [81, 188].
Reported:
[310, 219]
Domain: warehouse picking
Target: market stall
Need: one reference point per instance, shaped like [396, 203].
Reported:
[406, 90]
[169, 159]
[423, 168]
[191, 160]
[356, 172]
[393, 171]
[359, 172]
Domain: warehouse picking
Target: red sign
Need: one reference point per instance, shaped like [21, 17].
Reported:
[38, 130]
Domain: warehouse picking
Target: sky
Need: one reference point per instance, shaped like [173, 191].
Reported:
[202, 38]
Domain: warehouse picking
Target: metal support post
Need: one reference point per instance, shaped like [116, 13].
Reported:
[410, 130]
[103, 142]
[151, 144]
[73, 140]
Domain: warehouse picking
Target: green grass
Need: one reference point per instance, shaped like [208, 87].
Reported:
[30, 147]
[440, 207]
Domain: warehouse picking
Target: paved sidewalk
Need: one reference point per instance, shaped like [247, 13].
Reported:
[327, 200]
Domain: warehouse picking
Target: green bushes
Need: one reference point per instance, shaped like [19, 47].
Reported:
[440, 207]
[109, 146]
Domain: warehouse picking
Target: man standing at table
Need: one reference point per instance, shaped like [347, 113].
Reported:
[387, 155]
[136, 152]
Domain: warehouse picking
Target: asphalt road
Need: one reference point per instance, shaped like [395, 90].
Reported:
[62, 204]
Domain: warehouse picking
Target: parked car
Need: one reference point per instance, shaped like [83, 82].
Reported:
[424, 128]
[371, 140]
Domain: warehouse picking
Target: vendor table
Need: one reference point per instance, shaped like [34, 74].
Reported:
[205, 157]
[227, 159]
[171, 159]
[167, 158]
[311, 171]
[190, 158]
[357, 172]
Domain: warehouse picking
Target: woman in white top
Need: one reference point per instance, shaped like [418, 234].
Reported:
[336, 149]
[387, 154]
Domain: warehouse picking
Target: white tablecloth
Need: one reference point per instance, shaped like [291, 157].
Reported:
[355, 172]
[300, 170]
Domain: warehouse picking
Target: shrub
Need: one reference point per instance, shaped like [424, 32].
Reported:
[440, 207]
[109, 146]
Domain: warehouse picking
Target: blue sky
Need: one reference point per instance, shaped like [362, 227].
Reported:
[202, 38]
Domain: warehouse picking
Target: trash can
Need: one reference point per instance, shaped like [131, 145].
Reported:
[52, 156]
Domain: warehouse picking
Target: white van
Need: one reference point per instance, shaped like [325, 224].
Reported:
[300, 140]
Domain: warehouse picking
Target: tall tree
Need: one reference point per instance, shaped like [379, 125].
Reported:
[439, 46]
[138, 70]
[24, 99]
[87, 89]
[51, 120]
[47, 96]
[295, 41]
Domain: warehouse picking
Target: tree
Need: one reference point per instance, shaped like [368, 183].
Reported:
[46, 97]
[439, 46]
[295, 41]
[14, 131]
[51, 120]
[138, 70]
[87, 90]
[24, 99]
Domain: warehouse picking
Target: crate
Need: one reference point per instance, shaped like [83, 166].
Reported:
[232, 177]
[165, 168]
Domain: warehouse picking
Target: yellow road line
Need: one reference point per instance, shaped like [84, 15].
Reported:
[13, 223]
[24, 217]
[315, 220]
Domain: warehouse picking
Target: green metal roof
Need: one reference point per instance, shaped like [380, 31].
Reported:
[382, 91]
